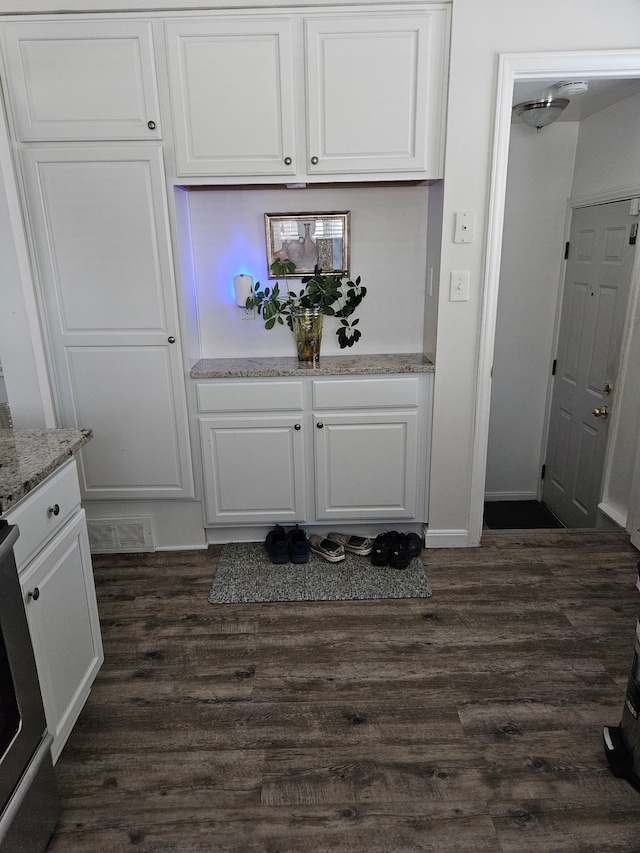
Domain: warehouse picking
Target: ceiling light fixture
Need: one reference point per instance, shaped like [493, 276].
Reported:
[542, 112]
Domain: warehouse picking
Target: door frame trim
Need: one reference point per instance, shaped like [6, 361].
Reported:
[512, 67]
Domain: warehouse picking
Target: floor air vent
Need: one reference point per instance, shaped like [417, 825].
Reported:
[113, 535]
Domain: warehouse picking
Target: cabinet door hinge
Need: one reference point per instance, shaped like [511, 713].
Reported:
[543, 472]
[554, 366]
[566, 250]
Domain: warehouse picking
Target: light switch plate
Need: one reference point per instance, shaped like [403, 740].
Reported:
[459, 288]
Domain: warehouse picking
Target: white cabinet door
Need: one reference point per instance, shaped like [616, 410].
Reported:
[376, 92]
[254, 469]
[82, 80]
[232, 96]
[62, 613]
[366, 465]
[102, 243]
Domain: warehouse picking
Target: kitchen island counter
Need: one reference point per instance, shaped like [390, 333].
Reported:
[28, 456]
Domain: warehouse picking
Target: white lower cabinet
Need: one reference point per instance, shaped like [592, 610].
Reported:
[366, 466]
[56, 579]
[342, 449]
[253, 469]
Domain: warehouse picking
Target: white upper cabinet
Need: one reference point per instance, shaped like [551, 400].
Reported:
[322, 96]
[232, 93]
[82, 80]
[375, 92]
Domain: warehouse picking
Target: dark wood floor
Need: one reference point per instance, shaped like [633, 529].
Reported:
[470, 721]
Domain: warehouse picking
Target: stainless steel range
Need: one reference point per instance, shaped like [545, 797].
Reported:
[29, 804]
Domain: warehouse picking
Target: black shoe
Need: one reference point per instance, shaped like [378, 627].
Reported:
[382, 548]
[276, 545]
[400, 556]
[415, 544]
[298, 545]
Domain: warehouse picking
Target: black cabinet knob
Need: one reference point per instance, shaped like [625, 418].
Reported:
[54, 510]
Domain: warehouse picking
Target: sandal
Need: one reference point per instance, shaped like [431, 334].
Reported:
[327, 548]
[356, 544]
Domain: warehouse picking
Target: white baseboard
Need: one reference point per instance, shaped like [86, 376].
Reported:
[447, 539]
[511, 496]
[619, 518]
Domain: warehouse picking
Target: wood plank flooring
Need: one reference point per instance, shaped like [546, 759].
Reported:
[470, 721]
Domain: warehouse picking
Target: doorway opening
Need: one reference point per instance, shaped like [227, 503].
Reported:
[511, 421]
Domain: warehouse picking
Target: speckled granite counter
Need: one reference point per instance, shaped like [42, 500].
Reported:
[228, 368]
[27, 456]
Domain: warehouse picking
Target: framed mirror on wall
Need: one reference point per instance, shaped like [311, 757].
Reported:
[308, 240]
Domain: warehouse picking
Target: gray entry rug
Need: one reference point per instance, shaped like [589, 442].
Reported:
[245, 574]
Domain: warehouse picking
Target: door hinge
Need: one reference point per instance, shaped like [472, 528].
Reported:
[543, 472]
[633, 234]
[566, 250]
[554, 366]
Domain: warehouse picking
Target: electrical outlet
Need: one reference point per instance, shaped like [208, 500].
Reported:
[463, 232]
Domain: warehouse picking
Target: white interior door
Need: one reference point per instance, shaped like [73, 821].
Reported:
[594, 305]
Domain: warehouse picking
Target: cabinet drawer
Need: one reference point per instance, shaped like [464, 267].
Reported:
[375, 393]
[44, 511]
[249, 396]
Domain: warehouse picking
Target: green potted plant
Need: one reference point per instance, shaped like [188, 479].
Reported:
[330, 294]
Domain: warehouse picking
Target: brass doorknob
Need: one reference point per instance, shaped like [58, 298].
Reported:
[602, 412]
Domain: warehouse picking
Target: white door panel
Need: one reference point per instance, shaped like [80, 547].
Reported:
[254, 469]
[102, 228]
[374, 94]
[83, 80]
[104, 261]
[125, 395]
[366, 465]
[596, 291]
[232, 88]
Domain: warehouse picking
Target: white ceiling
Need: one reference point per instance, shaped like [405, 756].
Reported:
[601, 94]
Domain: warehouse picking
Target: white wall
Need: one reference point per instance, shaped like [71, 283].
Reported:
[388, 251]
[538, 186]
[481, 32]
[608, 152]
[607, 158]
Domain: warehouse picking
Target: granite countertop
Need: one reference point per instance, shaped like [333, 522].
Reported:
[226, 368]
[27, 456]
